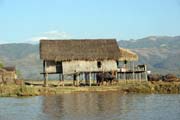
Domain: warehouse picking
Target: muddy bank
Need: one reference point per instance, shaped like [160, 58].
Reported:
[124, 87]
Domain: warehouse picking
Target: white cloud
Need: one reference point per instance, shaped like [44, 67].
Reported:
[53, 34]
[35, 40]
[4, 42]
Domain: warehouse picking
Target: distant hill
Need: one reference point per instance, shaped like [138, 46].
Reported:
[161, 54]
[24, 56]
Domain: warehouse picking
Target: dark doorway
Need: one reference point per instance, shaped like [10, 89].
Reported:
[99, 64]
[59, 67]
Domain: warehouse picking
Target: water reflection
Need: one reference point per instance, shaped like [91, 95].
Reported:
[87, 105]
[92, 106]
[106, 106]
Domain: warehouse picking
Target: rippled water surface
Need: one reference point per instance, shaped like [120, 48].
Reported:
[92, 106]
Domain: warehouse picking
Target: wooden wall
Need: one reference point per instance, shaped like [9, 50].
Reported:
[82, 66]
[88, 66]
[51, 66]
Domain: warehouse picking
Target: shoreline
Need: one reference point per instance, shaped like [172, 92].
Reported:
[146, 87]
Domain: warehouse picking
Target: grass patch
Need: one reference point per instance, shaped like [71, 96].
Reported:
[128, 87]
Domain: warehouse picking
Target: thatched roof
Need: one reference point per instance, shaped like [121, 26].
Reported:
[9, 68]
[2, 70]
[126, 54]
[86, 49]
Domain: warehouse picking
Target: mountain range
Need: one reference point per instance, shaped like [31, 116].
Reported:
[160, 53]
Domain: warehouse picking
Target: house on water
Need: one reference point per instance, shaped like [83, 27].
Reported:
[84, 58]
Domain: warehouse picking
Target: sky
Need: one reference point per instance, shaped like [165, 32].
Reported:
[31, 20]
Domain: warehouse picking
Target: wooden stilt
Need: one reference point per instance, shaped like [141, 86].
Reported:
[95, 80]
[83, 78]
[45, 79]
[74, 79]
[125, 77]
[45, 74]
[140, 77]
[145, 69]
[116, 75]
[90, 79]
[61, 82]
[62, 79]
[78, 76]
[86, 78]
[133, 70]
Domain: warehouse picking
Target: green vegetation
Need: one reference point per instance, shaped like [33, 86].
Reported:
[19, 74]
[1, 65]
[123, 87]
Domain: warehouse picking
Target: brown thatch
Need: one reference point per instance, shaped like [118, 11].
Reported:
[86, 49]
[128, 55]
[9, 68]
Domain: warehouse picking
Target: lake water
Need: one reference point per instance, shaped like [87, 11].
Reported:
[92, 106]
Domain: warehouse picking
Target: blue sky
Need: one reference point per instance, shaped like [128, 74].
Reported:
[30, 20]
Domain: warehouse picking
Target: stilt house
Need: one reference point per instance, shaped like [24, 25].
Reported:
[82, 57]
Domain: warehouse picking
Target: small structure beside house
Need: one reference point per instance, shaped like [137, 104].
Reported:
[127, 70]
[84, 58]
[8, 75]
